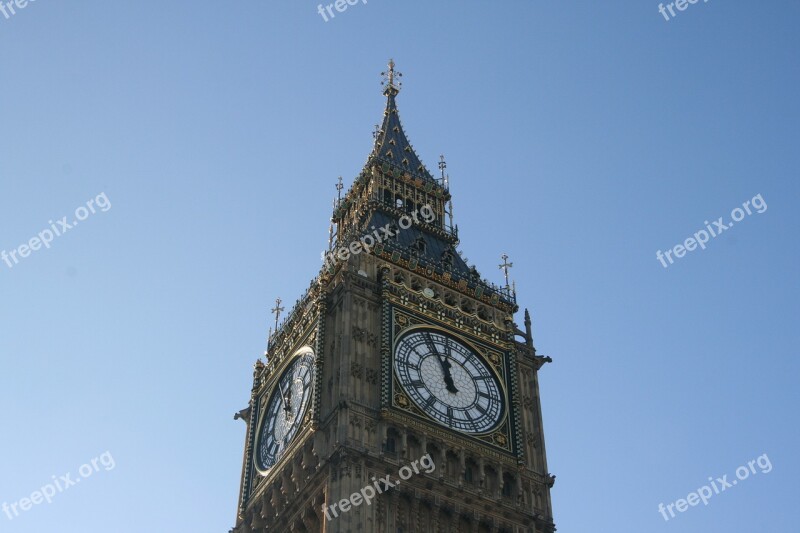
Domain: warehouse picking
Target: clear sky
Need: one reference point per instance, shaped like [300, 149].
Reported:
[581, 138]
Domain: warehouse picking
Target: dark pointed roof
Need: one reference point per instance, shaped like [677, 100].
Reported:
[391, 144]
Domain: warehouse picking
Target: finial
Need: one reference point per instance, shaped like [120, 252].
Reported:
[376, 132]
[330, 230]
[339, 187]
[442, 166]
[505, 266]
[389, 81]
[277, 310]
[528, 333]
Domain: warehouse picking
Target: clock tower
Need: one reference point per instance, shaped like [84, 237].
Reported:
[398, 395]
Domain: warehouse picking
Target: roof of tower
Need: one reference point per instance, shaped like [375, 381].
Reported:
[391, 144]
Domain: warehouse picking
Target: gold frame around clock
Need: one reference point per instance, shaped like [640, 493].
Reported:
[269, 392]
[404, 323]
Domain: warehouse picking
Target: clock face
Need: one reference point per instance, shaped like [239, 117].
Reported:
[448, 381]
[285, 409]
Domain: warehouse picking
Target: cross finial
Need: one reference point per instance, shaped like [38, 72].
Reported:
[277, 310]
[391, 71]
[505, 266]
[389, 79]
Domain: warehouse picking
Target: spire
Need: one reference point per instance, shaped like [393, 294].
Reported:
[528, 333]
[391, 143]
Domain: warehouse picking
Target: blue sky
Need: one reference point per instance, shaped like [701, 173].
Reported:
[580, 139]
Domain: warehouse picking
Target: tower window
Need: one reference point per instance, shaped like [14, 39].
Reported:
[470, 469]
[419, 245]
[391, 440]
[508, 485]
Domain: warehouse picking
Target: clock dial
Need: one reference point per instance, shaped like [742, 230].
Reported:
[448, 381]
[285, 410]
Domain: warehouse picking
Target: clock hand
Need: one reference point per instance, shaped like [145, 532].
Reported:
[448, 378]
[289, 399]
[287, 406]
[432, 348]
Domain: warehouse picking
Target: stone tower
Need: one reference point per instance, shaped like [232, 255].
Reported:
[398, 395]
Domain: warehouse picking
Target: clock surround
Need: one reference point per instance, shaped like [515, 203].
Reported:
[287, 406]
[447, 380]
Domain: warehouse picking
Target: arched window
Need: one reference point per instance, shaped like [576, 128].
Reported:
[509, 485]
[470, 471]
[414, 446]
[453, 466]
[391, 440]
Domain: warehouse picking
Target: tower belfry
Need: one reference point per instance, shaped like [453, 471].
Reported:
[398, 394]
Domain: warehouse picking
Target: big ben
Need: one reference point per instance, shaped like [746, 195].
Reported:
[399, 354]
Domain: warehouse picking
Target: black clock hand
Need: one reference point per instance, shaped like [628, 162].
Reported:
[287, 398]
[448, 378]
[432, 348]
